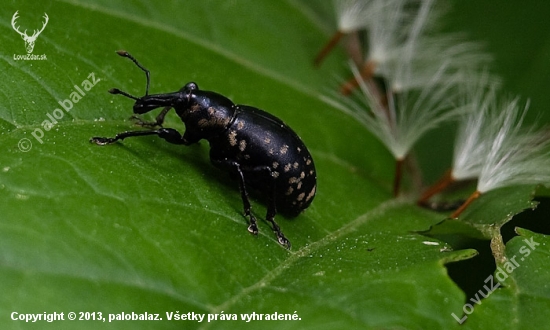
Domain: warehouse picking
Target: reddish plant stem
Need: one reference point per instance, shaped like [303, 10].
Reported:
[366, 73]
[397, 177]
[354, 48]
[328, 47]
[439, 186]
[469, 201]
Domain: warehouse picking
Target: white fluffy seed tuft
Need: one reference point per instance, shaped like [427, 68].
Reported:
[517, 155]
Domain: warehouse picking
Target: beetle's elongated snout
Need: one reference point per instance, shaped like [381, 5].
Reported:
[152, 102]
[144, 107]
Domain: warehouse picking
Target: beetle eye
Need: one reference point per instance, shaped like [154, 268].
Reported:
[190, 86]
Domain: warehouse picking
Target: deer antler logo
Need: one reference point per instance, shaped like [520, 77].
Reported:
[29, 40]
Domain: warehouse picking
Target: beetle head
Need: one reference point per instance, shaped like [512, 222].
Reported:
[181, 99]
[144, 104]
[147, 103]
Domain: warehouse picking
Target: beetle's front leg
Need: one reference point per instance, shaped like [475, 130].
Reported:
[168, 134]
[159, 120]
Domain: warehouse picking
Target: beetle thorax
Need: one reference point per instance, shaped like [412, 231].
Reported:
[206, 122]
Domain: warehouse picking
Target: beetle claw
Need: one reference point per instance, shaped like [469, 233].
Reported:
[283, 240]
[101, 141]
[253, 228]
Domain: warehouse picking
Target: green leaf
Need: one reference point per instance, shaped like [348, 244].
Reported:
[145, 226]
[497, 207]
[488, 213]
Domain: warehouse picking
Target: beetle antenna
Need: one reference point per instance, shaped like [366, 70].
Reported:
[124, 53]
[118, 91]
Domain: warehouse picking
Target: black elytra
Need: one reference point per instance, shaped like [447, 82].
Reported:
[255, 146]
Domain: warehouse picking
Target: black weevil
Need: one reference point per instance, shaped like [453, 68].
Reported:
[257, 147]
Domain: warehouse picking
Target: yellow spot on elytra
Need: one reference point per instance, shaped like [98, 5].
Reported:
[232, 138]
[311, 193]
[242, 145]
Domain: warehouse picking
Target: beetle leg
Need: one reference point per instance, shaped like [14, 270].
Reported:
[272, 211]
[168, 134]
[234, 166]
[159, 120]
[272, 205]
[253, 226]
